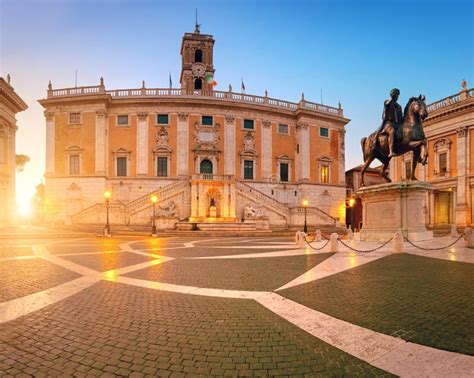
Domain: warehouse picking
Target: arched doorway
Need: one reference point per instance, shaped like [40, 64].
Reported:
[205, 167]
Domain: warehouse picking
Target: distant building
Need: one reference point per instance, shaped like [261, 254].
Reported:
[449, 129]
[353, 204]
[209, 156]
[10, 105]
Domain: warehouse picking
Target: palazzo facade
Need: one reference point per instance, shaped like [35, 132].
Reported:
[209, 156]
[449, 129]
[10, 105]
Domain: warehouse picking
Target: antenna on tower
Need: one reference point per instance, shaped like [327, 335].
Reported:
[196, 25]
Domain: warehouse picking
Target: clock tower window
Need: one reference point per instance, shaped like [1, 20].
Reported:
[198, 56]
[198, 84]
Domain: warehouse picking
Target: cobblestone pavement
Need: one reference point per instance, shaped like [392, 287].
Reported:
[135, 306]
[423, 300]
[264, 274]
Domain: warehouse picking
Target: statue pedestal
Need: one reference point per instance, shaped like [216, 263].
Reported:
[391, 207]
[212, 212]
[166, 223]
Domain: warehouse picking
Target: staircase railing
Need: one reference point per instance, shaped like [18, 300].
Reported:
[162, 194]
[263, 199]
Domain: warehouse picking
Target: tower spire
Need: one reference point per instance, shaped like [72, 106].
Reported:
[196, 25]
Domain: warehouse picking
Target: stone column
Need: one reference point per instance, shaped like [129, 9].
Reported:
[142, 144]
[182, 145]
[266, 150]
[100, 142]
[342, 157]
[303, 160]
[229, 145]
[11, 164]
[50, 135]
[461, 209]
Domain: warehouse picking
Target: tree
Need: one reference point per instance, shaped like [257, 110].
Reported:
[20, 161]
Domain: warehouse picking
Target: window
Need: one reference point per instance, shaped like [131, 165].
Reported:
[407, 170]
[122, 120]
[198, 56]
[198, 84]
[283, 129]
[443, 163]
[284, 172]
[324, 174]
[248, 169]
[205, 167]
[248, 124]
[74, 164]
[297, 148]
[162, 166]
[324, 132]
[207, 120]
[121, 166]
[162, 119]
[74, 118]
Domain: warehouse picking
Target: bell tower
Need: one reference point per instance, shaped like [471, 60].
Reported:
[197, 69]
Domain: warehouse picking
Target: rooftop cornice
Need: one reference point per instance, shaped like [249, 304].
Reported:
[151, 95]
[15, 101]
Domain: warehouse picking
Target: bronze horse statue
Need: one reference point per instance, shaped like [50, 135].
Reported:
[409, 137]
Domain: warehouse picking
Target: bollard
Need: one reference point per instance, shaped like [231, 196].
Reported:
[469, 237]
[299, 239]
[333, 245]
[454, 231]
[350, 234]
[397, 242]
[317, 236]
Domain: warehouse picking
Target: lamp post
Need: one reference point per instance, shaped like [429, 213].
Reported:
[107, 195]
[154, 200]
[305, 205]
[351, 206]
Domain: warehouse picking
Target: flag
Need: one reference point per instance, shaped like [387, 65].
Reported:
[210, 80]
[243, 85]
[171, 82]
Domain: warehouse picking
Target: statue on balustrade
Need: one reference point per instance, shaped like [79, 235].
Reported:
[398, 134]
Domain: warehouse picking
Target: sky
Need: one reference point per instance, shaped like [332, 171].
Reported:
[341, 50]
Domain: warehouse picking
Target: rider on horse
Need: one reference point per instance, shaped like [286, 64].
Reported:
[392, 118]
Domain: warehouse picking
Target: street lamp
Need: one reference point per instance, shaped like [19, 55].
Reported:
[351, 206]
[107, 195]
[154, 200]
[305, 205]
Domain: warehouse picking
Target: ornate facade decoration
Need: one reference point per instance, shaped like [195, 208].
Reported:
[142, 116]
[442, 143]
[249, 142]
[48, 115]
[206, 138]
[462, 131]
[302, 126]
[101, 113]
[266, 124]
[229, 119]
[182, 117]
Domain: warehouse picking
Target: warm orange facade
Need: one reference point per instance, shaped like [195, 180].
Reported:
[140, 140]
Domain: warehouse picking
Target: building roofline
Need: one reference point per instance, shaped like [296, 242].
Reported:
[15, 101]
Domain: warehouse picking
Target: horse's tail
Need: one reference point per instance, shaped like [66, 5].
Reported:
[362, 143]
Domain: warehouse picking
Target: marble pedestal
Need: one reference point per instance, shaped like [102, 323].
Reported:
[391, 207]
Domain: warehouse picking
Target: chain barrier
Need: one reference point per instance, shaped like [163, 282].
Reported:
[316, 248]
[367, 250]
[433, 249]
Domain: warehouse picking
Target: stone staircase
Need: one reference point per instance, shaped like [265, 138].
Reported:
[122, 212]
[256, 196]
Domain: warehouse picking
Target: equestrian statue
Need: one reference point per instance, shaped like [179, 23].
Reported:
[398, 134]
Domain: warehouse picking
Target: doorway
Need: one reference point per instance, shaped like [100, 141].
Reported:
[443, 208]
[205, 167]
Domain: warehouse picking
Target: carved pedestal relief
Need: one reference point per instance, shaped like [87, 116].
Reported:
[206, 145]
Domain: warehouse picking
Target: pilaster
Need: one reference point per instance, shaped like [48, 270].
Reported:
[266, 149]
[50, 135]
[100, 142]
[303, 160]
[461, 208]
[182, 145]
[342, 156]
[142, 144]
[229, 145]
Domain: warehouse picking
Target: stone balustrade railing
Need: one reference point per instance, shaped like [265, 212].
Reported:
[450, 100]
[173, 92]
[211, 177]
[262, 198]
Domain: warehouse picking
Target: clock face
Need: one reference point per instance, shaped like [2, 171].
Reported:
[198, 69]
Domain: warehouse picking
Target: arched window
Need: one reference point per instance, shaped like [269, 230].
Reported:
[206, 167]
[198, 84]
[198, 56]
